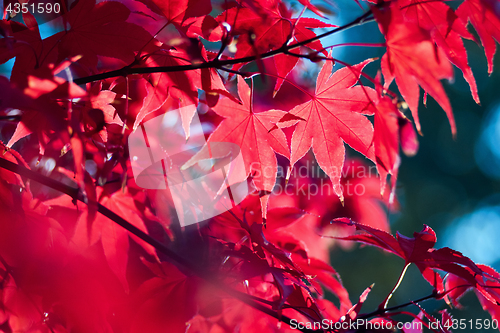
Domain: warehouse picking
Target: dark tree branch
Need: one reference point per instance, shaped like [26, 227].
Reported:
[397, 307]
[216, 63]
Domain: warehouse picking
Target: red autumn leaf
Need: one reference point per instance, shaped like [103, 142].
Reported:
[353, 312]
[446, 31]
[334, 115]
[25, 43]
[481, 14]
[181, 86]
[285, 63]
[258, 34]
[420, 251]
[413, 60]
[178, 85]
[168, 300]
[179, 11]
[486, 289]
[327, 276]
[252, 133]
[102, 99]
[101, 30]
[114, 238]
[391, 128]
[41, 112]
[18, 39]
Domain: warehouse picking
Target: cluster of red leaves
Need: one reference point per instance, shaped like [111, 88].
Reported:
[66, 267]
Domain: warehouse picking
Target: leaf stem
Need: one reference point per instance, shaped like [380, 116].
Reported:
[384, 303]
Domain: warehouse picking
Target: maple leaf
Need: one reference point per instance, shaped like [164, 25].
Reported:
[38, 102]
[284, 63]
[482, 16]
[98, 113]
[96, 30]
[413, 60]
[100, 30]
[252, 132]
[391, 128]
[168, 300]
[485, 288]
[334, 115]
[19, 39]
[258, 34]
[446, 31]
[420, 251]
[102, 99]
[114, 238]
[25, 43]
[179, 12]
[181, 86]
[325, 274]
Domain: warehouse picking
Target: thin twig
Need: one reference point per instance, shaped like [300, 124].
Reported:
[397, 307]
[216, 63]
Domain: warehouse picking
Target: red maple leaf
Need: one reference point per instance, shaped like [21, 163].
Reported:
[446, 30]
[181, 86]
[483, 18]
[19, 39]
[420, 251]
[257, 34]
[301, 31]
[41, 112]
[391, 128]
[114, 238]
[413, 60]
[168, 300]
[179, 12]
[486, 289]
[334, 115]
[100, 30]
[255, 135]
[102, 100]
[25, 43]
